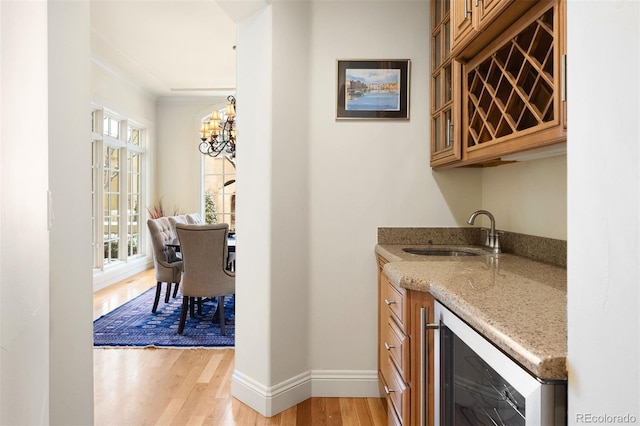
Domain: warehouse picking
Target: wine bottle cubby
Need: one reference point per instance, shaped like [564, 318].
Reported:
[514, 88]
[498, 92]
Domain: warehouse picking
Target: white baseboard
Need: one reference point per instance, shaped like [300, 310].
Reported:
[317, 383]
[345, 383]
[270, 401]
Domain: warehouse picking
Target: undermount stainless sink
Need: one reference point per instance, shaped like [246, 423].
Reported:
[438, 252]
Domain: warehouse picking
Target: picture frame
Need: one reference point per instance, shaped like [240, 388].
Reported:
[372, 89]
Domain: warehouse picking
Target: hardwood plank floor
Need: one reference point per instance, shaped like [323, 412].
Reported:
[107, 299]
[193, 386]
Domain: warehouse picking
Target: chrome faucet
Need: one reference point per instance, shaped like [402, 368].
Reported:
[493, 242]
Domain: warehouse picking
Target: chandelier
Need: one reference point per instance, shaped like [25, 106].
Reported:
[218, 135]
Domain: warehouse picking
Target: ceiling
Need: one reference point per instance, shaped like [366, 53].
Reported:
[167, 47]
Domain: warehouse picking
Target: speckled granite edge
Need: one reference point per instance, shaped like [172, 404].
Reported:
[539, 248]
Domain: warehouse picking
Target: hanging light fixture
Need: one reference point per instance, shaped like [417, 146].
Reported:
[218, 135]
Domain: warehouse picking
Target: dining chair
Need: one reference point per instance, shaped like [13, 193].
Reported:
[204, 256]
[174, 220]
[194, 219]
[168, 266]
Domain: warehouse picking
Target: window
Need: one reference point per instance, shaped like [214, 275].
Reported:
[118, 165]
[220, 190]
[133, 206]
[111, 206]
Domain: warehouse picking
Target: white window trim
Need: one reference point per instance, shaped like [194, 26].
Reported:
[107, 274]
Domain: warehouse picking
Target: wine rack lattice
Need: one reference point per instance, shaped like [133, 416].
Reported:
[514, 88]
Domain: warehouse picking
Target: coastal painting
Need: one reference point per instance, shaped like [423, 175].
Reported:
[373, 89]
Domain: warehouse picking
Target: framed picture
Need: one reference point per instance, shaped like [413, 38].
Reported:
[373, 89]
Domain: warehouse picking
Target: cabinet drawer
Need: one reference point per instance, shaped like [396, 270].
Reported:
[392, 416]
[386, 370]
[397, 345]
[394, 298]
[398, 394]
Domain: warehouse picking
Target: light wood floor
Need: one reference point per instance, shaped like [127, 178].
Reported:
[193, 386]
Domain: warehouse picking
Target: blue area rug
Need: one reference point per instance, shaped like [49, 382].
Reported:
[133, 324]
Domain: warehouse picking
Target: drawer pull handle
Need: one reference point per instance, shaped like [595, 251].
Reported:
[387, 390]
[388, 346]
[389, 302]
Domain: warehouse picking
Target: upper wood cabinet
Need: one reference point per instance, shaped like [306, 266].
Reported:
[513, 90]
[504, 97]
[446, 84]
[487, 10]
[463, 27]
[475, 22]
[446, 121]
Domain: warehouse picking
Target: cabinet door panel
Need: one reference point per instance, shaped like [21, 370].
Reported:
[488, 10]
[461, 22]
[445, 122]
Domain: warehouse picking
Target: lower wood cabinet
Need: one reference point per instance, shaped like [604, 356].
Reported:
[405, 352]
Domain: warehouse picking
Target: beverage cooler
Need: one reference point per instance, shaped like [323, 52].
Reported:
[477, 384]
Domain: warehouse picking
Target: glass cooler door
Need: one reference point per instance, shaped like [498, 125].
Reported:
[473, 393]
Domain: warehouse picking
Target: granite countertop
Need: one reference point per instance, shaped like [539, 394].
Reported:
[517, 303]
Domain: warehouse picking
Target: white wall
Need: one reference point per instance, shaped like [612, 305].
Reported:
[71, 313]
[290, 191]
[528, 197]
[179, 180]
[112, 90]
[252, 381]
[367, 174]
[24, 239]
[603, 198]
[46, 359]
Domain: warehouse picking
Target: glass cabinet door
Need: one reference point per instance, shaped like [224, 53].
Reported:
[445, 83]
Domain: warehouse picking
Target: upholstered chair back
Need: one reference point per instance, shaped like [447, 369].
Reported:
[174, 220]
[167, 266]
[204, 256]
[194, 219]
